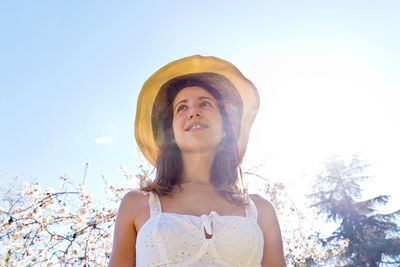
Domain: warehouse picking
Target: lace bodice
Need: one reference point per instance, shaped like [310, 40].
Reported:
[171, 239]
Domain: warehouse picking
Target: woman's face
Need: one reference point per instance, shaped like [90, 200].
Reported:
[197, 122]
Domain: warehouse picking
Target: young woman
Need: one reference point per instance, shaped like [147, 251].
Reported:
[193, 121]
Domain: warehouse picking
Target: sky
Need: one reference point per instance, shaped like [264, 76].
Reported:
[328, 75]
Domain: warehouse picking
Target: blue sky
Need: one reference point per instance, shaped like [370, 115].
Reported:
[70, 73]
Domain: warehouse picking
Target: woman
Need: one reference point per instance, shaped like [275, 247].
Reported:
[192, 122]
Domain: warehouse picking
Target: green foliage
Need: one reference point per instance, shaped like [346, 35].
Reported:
[372, 237]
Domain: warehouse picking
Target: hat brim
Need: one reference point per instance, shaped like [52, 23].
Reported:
[144, 133]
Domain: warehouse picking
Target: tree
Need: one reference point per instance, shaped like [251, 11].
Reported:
[373, 237]
[47, 227]
[299, 224]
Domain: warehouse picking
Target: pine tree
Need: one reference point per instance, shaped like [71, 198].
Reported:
[373, 238]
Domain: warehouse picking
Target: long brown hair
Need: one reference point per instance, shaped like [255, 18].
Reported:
[169, 165]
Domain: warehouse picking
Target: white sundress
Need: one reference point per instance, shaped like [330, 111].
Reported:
[171, 239]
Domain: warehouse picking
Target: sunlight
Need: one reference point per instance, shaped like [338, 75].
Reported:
[315, 104]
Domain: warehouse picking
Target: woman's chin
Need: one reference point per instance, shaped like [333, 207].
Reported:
[199, 145]
[198, 149]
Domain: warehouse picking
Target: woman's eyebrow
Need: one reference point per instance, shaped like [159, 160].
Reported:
[200, 98]
[206, 97]
[184, 100]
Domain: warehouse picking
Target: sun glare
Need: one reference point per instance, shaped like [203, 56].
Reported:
[314, 105]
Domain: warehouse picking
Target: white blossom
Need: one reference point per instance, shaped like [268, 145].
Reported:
[57, 227]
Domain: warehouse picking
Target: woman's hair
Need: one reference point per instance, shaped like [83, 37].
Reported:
[224, 170]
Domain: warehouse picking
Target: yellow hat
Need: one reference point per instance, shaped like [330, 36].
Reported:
[239, 94]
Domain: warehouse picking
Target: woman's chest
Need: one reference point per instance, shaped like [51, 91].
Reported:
[200, 203]
[184, 237]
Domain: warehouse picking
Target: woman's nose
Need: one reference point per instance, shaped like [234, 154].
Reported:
[194, 112]
[194, 115]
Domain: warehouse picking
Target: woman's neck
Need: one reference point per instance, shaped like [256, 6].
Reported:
[197, 167]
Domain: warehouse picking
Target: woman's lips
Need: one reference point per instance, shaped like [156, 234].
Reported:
[196, 126]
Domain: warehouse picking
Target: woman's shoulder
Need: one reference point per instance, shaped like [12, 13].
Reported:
[135, 195]
[265, 209]
[134, 201]
[261, 203]
[269, 224]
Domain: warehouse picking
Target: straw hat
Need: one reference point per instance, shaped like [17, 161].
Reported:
[239, 95]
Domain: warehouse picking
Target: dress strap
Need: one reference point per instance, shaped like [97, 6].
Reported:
[154, 203]
[251, 209]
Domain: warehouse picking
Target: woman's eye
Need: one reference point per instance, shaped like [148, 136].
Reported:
[181, 107]
[205, 104]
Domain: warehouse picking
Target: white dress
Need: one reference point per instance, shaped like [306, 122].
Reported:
[171, 239]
